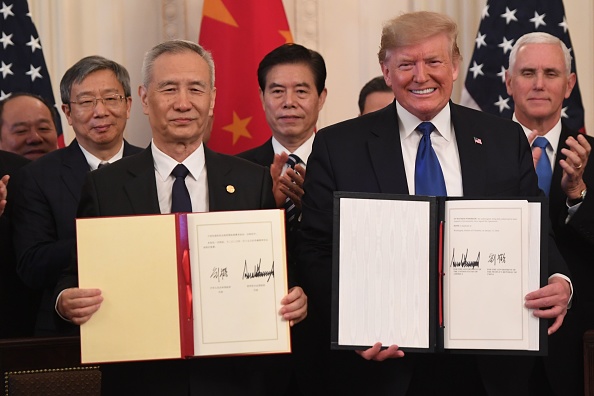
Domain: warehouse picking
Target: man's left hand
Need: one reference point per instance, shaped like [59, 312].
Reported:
[574, 165]
[550, 301]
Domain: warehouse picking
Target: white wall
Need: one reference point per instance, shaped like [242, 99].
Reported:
[345, 32]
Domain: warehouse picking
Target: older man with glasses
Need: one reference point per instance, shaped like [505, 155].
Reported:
[96, 100]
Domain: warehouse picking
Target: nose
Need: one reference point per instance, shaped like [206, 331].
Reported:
[34, 137]
[419, 72]
[289, 99]
[182, 101]
[100, 109]
[539, 81]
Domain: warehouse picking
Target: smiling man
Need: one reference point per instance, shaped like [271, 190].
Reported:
[96, 99]
[478, 155]
[27, 125]
[178, 96]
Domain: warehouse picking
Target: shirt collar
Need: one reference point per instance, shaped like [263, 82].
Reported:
[164, 164]
[552, 136]
[94, 161]
[302, 151]
[408, 122]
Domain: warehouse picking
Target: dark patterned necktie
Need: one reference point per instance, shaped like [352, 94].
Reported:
[543, 166]
[102, 164]
[428, 174]
[180, 197]
[291, 211]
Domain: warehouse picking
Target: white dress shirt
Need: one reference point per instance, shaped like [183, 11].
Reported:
[196, 181]
[94, 161]
[302, 151]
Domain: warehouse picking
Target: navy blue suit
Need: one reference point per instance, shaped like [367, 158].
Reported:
[364, 155]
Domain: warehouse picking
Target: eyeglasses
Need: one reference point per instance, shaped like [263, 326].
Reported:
[111, 101]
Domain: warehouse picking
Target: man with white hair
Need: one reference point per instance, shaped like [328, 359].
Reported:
[539, 78]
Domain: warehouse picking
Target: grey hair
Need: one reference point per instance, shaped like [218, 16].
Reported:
[539, 38]
[175, 47]
[90, 64]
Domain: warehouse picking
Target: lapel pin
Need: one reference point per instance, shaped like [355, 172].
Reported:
[230, 189]
[478, 141]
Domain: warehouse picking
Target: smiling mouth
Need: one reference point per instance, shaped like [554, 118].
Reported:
[422, 91]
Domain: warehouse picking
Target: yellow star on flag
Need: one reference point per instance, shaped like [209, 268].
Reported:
[239, 127]
[217, 10]
[287, 35]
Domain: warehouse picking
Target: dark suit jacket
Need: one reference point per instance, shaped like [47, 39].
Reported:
[46, 198]
[264, 155]
[17, 302]
[575, 241]
[128, 187]
[364, 155]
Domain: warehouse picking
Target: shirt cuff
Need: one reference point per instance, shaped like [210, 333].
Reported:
[570, 286]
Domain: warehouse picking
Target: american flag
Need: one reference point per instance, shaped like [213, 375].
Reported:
[502, 23]
[22, 65]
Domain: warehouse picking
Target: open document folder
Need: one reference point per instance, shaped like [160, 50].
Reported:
[184, 285]
[432, 274]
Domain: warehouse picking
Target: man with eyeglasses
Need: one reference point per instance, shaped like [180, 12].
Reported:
[96, 99]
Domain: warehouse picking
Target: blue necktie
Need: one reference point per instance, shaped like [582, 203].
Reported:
[180, 197]
[292, 212]
[428, 174]
[543, 166]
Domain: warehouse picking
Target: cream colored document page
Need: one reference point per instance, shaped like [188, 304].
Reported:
[133, 261]
[238, 265]
[491, 261]
[384, 272]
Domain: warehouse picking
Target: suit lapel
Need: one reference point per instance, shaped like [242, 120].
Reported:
[74, 168]
[218, 197]
[385, 152]
[470, 138]
[142, 188]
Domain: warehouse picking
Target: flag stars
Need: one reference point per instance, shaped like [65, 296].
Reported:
[485, 12]
[480, 40]
[502, 104]
[6, 11]
[509, 15]
[4, 95]
[6, 40]
[506, 45]
[476, 69]
[34, 73]
[564, 112]
[5, 69]
[538, 20]
[564, 25]
[502, 74]
[34, 44]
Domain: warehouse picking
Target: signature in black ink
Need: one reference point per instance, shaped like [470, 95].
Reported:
[496, 258]
[257, 273]
[219, 273]
[464, 260]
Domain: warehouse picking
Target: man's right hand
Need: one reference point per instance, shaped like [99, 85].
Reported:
[78, 305]
[3, 192]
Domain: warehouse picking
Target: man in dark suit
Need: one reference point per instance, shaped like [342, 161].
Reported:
[178, 95]
[292, 82]
[539, 78]
[96, 99]
[18, 303]
[479, 156]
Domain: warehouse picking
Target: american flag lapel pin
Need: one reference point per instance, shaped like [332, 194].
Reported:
[478, 141]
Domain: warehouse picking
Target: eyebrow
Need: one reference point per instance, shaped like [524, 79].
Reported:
[177, 83]
[277, 85]
[25, 123]
[91, 93]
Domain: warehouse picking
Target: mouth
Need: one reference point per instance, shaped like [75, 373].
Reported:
[182, 121]
[102, 128]
[425, 91]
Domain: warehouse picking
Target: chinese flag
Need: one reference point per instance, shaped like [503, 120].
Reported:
[239, 34]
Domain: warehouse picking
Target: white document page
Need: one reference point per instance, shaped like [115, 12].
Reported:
[487, 271]
[384, 273]
[238, 270]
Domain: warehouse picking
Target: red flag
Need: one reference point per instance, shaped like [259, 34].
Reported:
[239, 34]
